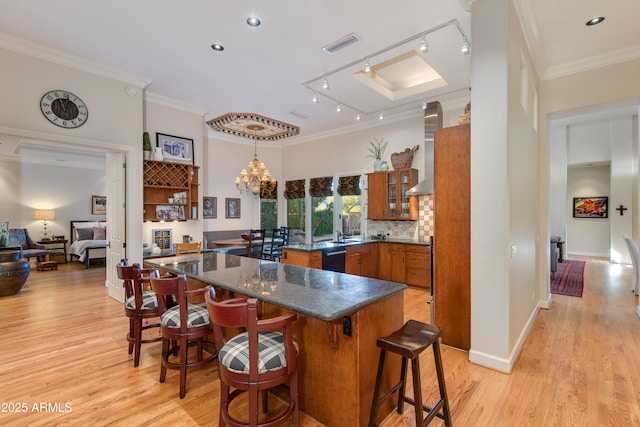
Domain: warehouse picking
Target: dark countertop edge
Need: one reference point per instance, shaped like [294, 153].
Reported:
[171, 253]
[320, 245]
[246, 292]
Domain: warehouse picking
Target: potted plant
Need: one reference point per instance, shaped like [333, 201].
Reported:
[377, 150]
[146, 145]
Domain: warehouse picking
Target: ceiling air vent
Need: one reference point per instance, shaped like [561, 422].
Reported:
[347, 40]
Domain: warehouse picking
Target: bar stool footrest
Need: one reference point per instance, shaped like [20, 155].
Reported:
[431, 412]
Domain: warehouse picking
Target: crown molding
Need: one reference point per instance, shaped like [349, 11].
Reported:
[47, 53]
[618, 56]
[177, 104]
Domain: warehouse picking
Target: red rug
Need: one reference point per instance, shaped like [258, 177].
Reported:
[569, 279]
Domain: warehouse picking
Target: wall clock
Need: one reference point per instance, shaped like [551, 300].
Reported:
[64, 109]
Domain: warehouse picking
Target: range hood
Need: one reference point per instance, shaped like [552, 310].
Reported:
[432, 121]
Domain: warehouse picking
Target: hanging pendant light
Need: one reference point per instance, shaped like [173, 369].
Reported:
[251, 178]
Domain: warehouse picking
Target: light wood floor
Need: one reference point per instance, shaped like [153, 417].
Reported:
[63, 347]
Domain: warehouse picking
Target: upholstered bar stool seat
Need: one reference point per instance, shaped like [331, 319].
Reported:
[409, 341]
[260, 356]
[183, 324]
[140, 305]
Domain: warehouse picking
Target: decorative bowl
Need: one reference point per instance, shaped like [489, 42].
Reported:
[245, 236]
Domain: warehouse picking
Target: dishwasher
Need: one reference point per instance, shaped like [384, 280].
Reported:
[333, 259]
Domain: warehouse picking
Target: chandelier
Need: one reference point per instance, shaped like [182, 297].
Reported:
[257, 171]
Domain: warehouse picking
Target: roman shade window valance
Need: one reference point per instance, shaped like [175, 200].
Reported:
[269, 190]
[349, 185]
[294, 189]
[321, 187]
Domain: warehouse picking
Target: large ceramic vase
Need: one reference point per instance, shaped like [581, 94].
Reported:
[13, 271]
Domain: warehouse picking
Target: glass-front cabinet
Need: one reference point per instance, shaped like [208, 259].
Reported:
[388, 197]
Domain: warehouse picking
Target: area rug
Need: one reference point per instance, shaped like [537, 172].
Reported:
[569, 279]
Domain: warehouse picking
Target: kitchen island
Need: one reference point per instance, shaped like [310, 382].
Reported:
[340, 316]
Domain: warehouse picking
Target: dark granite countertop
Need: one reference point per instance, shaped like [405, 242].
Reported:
[325, 295]
[166, 252]
[330, 244]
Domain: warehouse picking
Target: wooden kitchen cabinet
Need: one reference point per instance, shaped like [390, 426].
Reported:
[392, 262]
[164, 180]
[387, 198]
[452, 235]
[309, 259]
[405, 263]
[362, 260]
[418, 265]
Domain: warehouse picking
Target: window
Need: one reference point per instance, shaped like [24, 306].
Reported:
[268, 214]
[322, 218]
[321, 191]
[268, 205]
[296, 220]
[351, 216]
[296, 210]
[351, 211]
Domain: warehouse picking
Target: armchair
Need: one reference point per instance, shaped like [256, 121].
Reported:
[20, 236]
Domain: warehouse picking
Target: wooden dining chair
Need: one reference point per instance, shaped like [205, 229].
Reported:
[256, 244]
[261, 355]
[140, 304]
[183, 323]
[192, 248]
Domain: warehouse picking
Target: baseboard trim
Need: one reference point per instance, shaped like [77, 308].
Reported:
[505, 365]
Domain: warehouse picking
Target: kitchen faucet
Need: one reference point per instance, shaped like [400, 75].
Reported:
[339, 235]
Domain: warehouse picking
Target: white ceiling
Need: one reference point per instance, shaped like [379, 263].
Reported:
[262, 70]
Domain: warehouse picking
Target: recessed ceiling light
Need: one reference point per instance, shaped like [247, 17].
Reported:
[252, 21]
[595, 21]
[217, 47]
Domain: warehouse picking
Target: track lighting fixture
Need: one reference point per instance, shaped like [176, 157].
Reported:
[466, 49]
[362, 67]
[424, 46]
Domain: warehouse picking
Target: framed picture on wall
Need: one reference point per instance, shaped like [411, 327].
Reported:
[209, 207]
[591, 207]
[175, 148]
[232, 208]
[98, 205]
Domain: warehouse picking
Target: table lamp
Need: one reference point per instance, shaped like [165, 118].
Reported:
[44, 214]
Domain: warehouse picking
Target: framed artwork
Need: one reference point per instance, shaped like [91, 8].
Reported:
[98, 205]
[162, 238]
[175, 148]
[170, 212]
[591, 207]
[233, 208]
[209, 207]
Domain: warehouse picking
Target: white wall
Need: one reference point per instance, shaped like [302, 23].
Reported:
[26, 187]
[587, 236]
[224, 158]
[607, 142]
[504, 186]
[115, 118]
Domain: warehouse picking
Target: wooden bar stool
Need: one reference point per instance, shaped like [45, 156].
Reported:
[408, 342]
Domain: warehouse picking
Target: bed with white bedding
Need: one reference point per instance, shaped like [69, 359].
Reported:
[88, 242]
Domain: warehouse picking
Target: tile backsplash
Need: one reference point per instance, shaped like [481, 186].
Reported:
[419, 230]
